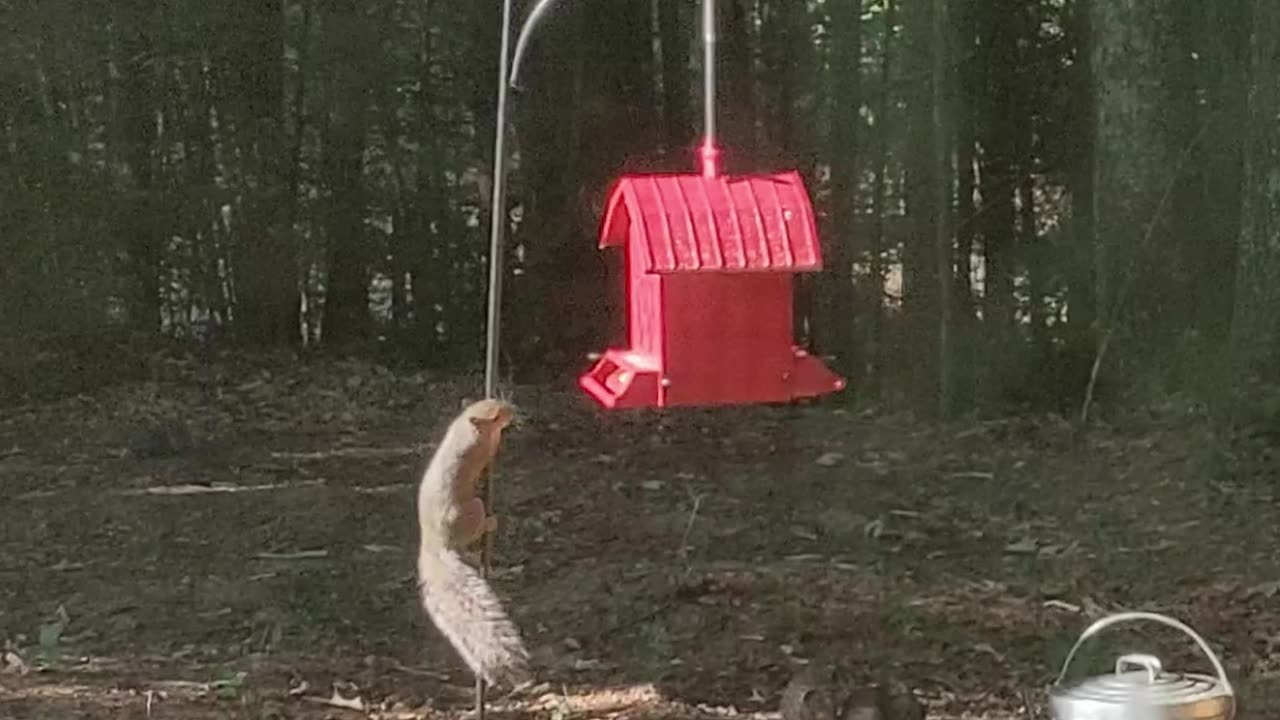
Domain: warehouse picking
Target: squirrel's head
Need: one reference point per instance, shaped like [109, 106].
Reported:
[490, 414]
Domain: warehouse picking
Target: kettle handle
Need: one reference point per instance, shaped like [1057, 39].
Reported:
[1099, 625]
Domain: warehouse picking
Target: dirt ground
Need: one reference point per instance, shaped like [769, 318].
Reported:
[675, 565]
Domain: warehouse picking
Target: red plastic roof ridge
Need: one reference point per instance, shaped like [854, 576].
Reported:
[794, 248]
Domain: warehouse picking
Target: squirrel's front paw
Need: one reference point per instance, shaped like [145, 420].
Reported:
[491, 523]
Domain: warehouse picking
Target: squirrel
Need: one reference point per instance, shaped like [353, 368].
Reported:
[450, 517]
[826, 691]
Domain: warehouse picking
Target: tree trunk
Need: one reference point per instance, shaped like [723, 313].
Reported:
[267, 302]
[136, 118]
[419, 246]
[965, 83]
[1023, 117]
[1001, 115]
[201, 172]
[677, 112]
[735, 107]
[921, 281]
[1256, 324]
[1080, 265]
[787, 54]
[785, 46]
[875, 296]
[1134, 161]
[944, 248]
[346, 304]
[839, 300]
[1224, 53]
[548, 139]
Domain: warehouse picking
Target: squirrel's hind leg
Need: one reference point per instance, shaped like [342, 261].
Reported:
[472, 523]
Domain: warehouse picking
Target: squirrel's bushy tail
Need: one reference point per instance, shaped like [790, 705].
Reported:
[469, 614]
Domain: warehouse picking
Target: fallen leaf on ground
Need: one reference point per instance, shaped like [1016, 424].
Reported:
[14, 664]
[830, 459]
[1024, 546]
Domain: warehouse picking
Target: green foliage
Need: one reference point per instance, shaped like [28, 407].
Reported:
[229, 684]
[49, 638]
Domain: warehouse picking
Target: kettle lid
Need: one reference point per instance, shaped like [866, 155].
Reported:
[1145, 693]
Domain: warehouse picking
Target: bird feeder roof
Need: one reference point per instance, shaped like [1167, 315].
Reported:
[691, 223]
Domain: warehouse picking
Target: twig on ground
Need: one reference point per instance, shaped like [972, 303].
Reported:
[337, 701]
[971, 475]
[356, 452]
[192, 489]
[420, 672]
[1028, 705]
[299, 555]
[682, 552]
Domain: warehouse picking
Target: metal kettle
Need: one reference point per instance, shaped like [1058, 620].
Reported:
[1140, 688]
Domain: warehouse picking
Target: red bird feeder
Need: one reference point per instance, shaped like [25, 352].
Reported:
[709, 292]
[709, 265]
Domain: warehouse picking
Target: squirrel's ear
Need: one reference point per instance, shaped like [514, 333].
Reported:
[464, 403]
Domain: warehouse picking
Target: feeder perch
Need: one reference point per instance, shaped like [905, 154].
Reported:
[709, 265]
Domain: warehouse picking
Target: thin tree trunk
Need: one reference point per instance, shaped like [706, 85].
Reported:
[267, 299]
[920, 279]
[346, 306]
[1031, 252]
[1027, 248]
[1000, 118]
[136, 23]
[736, 98]
[429, 251]
[965, 86]
[1256, 324]
[846, 118]
[300, 125]
[875, 330]
[1133, 161]
[944, 249]
[677, 113]
[200, 173]
[1082, 283]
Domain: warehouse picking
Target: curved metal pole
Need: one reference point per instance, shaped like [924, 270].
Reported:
[498, 202]
[710, 150]
[526, 31]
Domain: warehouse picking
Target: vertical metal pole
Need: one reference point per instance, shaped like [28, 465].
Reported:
[497, 232]
[498, 214]
[710, 151]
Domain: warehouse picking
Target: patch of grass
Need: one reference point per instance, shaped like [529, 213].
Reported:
[49, 638]
[229, 684]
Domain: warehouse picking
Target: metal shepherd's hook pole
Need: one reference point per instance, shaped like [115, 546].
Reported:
[498, 214]
[497, 231]
[507, 67]
[498, 209]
